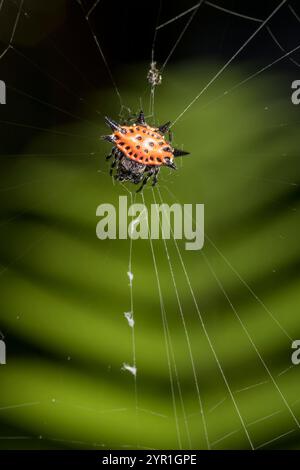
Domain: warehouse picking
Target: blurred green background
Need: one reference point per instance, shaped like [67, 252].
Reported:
[64, 292]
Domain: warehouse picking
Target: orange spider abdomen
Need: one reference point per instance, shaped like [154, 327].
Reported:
[143, 144]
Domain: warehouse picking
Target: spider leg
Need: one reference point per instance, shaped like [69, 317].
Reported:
[112, 166]
[150, 171]
[155, 177]
[112, 154]
[145, 180]
[116, 155]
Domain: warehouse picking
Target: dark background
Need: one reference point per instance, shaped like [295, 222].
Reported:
[66, 65]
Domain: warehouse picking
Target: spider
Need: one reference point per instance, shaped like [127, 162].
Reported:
[140, 151]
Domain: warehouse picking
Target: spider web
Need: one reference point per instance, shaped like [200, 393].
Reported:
[192, 429]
